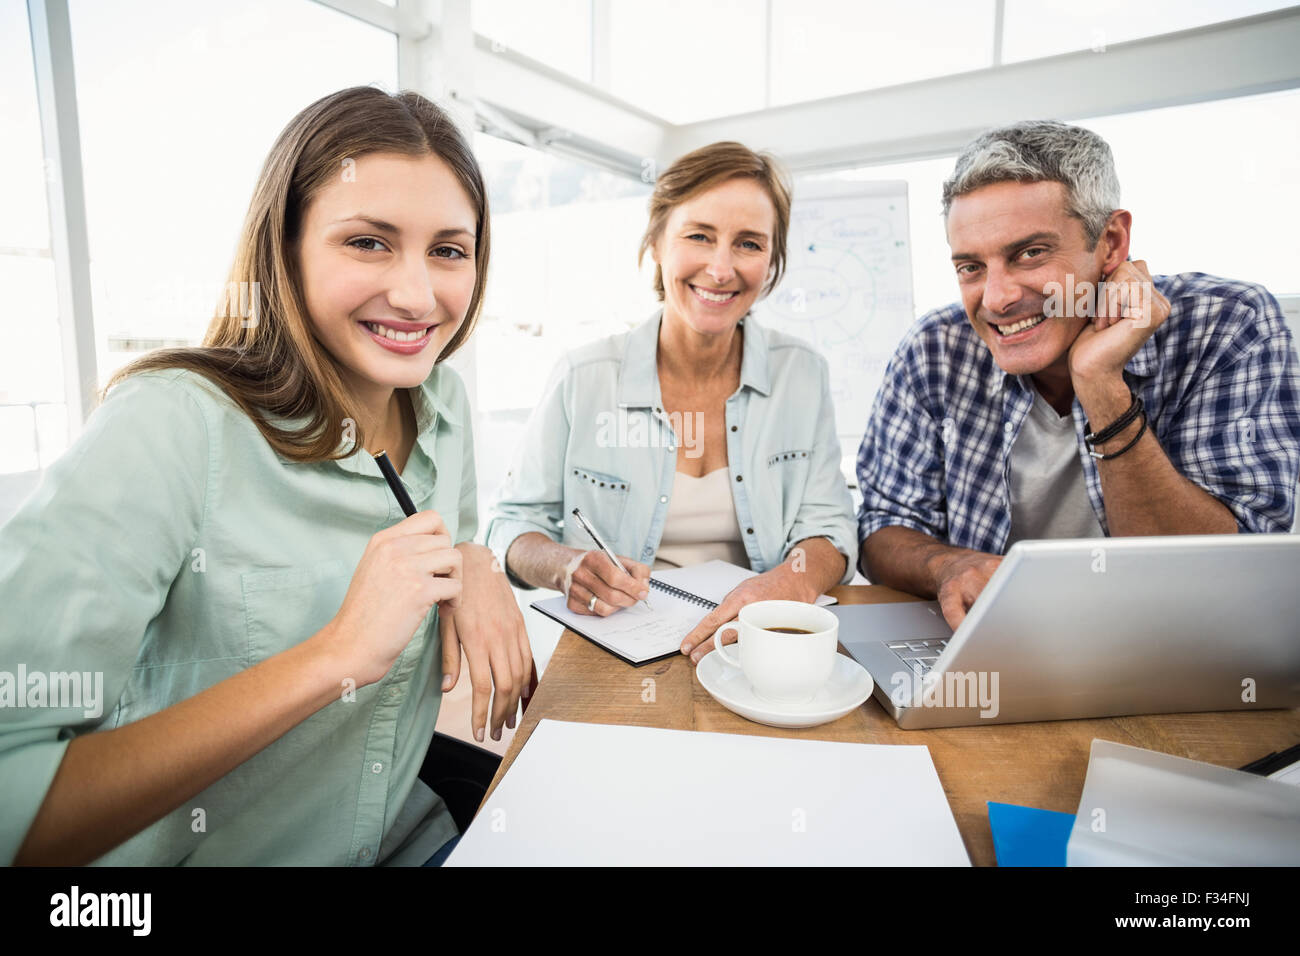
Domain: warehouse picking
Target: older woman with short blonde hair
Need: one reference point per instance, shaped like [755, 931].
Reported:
[699, 434]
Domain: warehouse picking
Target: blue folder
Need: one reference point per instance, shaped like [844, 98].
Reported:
[1024, 836]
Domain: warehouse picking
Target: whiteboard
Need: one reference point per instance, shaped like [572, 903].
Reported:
[847, 288]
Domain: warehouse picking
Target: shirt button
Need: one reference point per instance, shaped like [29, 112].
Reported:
[663, 499]
[364, 853]
[733, 428]
[1008, 428]
[749, 531]
[376, 767]
[740, 478]
[647, 552]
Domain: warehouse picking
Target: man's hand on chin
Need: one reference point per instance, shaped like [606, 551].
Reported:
[1128, 311]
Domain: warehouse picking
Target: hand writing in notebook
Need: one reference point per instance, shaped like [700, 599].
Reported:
[596, 586]
[812, 567]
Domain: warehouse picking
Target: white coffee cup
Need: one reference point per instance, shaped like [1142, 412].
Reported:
[782, 667]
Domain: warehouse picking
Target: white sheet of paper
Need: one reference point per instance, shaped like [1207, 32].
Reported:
[597, 795]
[1143, 808]
[635, 632]
[642, 633]
[1289, 774]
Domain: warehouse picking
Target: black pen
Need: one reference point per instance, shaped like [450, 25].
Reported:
[408, 506]
[1273, 762]
[394, 482]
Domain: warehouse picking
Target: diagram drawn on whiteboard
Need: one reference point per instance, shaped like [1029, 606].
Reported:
[847, 288]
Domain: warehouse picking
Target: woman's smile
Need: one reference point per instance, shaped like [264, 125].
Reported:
[713, 297]
[404, 338]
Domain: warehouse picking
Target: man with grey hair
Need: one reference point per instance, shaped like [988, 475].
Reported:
[1069, 394]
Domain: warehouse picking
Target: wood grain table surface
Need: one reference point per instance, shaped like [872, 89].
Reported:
[1036, 765]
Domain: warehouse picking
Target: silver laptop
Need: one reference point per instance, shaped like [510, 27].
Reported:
[1096, 627]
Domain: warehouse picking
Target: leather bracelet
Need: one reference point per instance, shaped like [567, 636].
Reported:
[1104, 435]
[1115, 454]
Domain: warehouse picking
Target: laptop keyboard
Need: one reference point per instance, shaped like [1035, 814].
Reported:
[919, 655]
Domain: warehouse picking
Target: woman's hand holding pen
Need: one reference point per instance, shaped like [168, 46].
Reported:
[489, 628]
[403, 572]
[592, 574]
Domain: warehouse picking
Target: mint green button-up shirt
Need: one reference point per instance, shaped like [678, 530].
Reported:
[170, 548]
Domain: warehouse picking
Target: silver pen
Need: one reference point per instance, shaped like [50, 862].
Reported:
[600, 543]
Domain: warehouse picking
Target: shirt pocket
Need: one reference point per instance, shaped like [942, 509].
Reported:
[601, 497]
[285, 606]
[789, 472]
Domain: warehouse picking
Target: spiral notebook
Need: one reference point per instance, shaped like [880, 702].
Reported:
[679, 599]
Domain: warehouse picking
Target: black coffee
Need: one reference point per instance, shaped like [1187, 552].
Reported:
[787, 630]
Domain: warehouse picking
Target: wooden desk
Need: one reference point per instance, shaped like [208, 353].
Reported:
[1035, 765]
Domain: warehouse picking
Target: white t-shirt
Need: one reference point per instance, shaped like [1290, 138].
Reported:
[1049, 496]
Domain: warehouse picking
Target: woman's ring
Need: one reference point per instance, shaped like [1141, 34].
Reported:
[591, 605]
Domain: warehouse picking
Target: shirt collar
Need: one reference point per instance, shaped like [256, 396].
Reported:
[429, 409]
[638, 380]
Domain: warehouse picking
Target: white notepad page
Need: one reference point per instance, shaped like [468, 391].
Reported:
[596, 795]
[713, 580]
[1289, 775]
[640, 634]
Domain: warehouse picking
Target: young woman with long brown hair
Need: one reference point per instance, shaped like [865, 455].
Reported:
[260, 639]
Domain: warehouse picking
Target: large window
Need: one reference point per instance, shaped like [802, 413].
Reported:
[685, 60]
[827, 47]
[179, 105]
[693, 60]
[563, 273]
[557, 32]
[33, 417]
[1214, 187]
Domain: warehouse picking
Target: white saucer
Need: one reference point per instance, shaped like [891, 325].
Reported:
[848, 687]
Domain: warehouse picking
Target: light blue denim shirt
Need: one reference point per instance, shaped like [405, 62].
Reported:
[601, 441]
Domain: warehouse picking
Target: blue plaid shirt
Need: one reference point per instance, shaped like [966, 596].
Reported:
[1219, 381]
